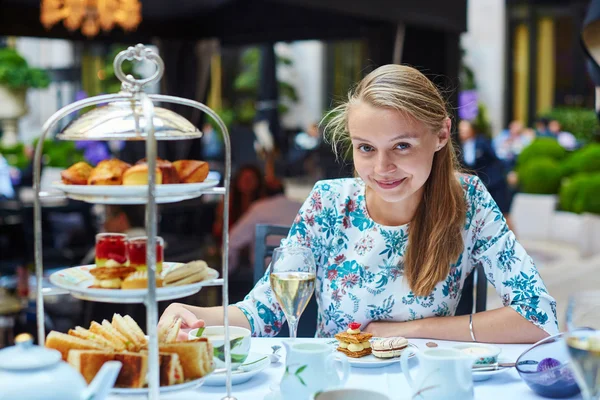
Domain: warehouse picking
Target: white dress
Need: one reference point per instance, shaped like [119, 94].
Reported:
[360, 264]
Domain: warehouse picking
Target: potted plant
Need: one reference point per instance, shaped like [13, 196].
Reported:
[15, 78]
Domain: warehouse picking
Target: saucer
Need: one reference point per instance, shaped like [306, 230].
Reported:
[254, 364]
[370, 361]
[479, 376]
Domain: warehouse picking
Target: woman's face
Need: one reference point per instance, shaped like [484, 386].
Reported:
[465, 131]
[393, 154]
[247, 182]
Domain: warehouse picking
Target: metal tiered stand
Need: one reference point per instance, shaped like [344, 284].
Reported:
[131, 115]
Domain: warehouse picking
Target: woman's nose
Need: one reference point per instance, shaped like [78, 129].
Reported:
[384, 165]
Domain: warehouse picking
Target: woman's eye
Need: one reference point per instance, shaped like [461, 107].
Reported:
[403, 146]
[365, 148]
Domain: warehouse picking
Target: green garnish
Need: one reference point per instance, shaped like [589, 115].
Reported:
[199, 332]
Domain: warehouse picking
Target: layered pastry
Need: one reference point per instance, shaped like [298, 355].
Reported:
[139, 280]
[108, 172]
[77, 174]
[353, 342]
[138, 175]
[191, 171]
[389, 347]
[110, 276]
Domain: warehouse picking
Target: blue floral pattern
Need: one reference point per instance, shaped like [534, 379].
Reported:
[360, 264]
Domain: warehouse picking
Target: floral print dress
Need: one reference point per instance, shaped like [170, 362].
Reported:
[360, 264]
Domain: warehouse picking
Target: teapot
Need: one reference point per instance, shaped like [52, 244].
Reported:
[309, 368]
[444, 374]
[29, 372]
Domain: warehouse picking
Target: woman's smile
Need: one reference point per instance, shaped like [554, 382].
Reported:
[389, 184]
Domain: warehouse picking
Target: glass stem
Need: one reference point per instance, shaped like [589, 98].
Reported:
[293, 325]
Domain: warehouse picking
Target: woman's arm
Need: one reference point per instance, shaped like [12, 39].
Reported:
[503, 325]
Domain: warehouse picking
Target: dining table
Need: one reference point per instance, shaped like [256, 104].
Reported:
[388, 379]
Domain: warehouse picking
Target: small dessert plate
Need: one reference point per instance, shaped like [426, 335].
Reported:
[371, 361]
[254, 364]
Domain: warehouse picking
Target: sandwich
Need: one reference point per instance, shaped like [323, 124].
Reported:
[117, 341]
[169, 330]
[134, 366]
[353, 342]
[192, 272]
[127, 327]
[195, 356]
[94, 337]
[64, 343]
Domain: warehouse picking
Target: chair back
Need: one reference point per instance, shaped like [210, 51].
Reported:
[473, 299]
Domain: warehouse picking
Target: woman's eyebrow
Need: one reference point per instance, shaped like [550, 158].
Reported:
[399, 137]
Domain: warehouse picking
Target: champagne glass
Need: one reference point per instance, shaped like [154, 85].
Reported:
[293, 276]
[583, 341]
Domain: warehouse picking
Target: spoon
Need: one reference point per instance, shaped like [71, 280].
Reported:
[274, 357]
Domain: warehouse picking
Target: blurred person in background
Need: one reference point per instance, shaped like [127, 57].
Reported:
[566, 139]
[510, 142]
[6, 187]
[247, 186]
[541, 128]
[478, 156]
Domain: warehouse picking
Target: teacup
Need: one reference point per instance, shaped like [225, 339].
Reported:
[484, 354]
[349, 394]
[239, 338]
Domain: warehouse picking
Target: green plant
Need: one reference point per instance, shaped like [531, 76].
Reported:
[541, 148]
[540, 176]
[482, 123]
[586, 159]
[16, 73]
[15, 155]
[581, 193]
[109, 82]
[581, 122]
[60, 154]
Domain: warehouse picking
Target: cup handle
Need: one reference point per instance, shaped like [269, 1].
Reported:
[332, 358]
[404, 363]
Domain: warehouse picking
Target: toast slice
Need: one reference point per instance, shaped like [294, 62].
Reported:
[64, 343]
[130, 329]
[116, 334]
[89, 362]
[86, 334]
[170, 369]
[353, 338]
[115, 340]
[167, 332]
[355, 354]
[195, 356]
[134, 366]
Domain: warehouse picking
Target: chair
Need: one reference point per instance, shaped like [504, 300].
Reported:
[467, 305]
[307, 327]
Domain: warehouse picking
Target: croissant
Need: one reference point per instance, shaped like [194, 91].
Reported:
[108, 172]
[169, 174]
[191, 171]
[77, 174]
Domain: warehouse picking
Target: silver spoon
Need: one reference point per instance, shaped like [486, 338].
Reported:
[274, 357]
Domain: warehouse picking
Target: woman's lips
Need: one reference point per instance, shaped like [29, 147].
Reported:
[389, 184]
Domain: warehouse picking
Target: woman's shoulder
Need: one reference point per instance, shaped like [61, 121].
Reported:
[332, 190]
[471, 184]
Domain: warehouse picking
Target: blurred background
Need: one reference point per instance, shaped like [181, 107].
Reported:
[517, 78]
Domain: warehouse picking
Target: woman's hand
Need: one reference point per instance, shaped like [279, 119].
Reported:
[189, 320]
[389, 329]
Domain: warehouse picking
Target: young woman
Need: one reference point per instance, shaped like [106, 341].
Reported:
[394, 245]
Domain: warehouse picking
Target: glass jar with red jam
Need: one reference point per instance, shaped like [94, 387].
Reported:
[137, 253]
[111, 248]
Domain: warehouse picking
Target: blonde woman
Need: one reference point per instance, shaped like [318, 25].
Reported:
[394, 245]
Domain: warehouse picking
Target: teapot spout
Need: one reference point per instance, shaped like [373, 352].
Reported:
[103, 381]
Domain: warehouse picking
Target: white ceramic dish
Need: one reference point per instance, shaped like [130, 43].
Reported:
[239, 342]
[254, 364]
[163, 389]
[479, 376]
[77, 281]
[371, 361]
[487, 353]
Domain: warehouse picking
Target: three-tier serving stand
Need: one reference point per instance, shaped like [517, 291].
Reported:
[132, 115]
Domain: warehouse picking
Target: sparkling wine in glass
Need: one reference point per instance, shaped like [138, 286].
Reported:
[293, 279]
[583, 341]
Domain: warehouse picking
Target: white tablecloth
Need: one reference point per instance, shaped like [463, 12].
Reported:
[390, 379]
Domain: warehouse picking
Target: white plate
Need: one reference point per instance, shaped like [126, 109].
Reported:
[371, 361]
[479, 376]
[163, 389]
[77, 280]
[137, 194]
[241, 376]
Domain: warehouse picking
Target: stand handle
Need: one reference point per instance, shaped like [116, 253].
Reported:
[140, 53]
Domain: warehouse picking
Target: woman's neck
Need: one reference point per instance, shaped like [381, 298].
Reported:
[392, 213]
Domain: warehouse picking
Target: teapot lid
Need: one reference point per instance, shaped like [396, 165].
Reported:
[25, 355]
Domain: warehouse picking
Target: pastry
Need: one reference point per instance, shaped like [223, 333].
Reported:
[191, 171]
[111, 275]
[353, 343]
[108, 172]
[77, 174]
[389, 347]
[192, 272]
[139, 280]
[169, 173]
[138, 175]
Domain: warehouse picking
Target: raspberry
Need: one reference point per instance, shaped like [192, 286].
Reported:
[354, 325]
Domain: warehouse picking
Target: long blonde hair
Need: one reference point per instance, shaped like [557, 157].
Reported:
[435, 232]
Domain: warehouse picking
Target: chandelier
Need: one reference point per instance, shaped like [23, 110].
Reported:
[91, 15]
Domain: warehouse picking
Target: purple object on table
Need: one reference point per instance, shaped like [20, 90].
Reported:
[552, 376]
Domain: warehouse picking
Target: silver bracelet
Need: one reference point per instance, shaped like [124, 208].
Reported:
[471, 327]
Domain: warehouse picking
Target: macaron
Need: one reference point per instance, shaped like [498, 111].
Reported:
[389, 347]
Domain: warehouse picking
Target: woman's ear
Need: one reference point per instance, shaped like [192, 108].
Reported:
[444, 134]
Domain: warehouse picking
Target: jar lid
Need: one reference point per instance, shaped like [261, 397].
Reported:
[25, 355]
